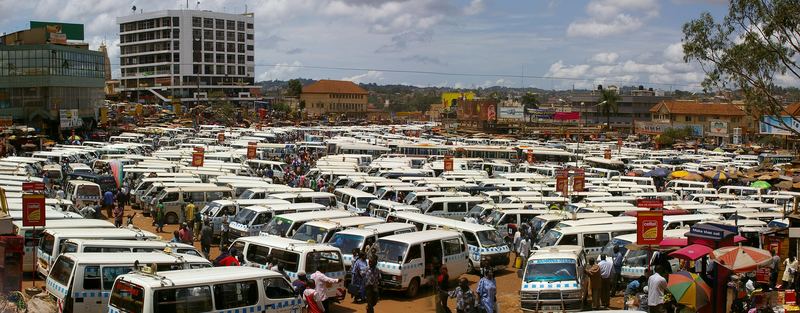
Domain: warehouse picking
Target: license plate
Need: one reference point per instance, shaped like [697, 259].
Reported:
[551, 308]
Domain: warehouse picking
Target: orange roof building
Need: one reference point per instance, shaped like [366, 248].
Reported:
[714, 119]
[335, 98]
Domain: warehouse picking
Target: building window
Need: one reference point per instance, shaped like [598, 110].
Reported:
[220, 58]
[196, 21]
[241, 70]
[209, 69]
[176, 21]
[220, 35]
[231, 59]
[208, 46]
[208, 34]
[240, 59]
[240, 26]
[240, 37]
[176, 33]
[231, 47]
[240, 48]
[220, 46]
[250, 58]
[688, 118]
[249, 36]
[249, 47]
[702, 118]
[231, 25]
[219, 24]
[220, 69]
[208, 22]
[249, 25]
[231, 36]
[208, 58]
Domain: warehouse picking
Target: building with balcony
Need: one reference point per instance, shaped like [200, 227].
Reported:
[191, 55]
[335, 99]
[47, 82]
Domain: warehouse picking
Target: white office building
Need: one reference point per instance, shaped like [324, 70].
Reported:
[191, 55]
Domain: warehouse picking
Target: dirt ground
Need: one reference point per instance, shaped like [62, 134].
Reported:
[391, 302]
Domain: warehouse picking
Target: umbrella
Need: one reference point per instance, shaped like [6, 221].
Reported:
[689, 289]
[741, 259]
[693, 177]
[715, 175]
[116, 170]
[784, 185]
[679, 174]
[692, 252]
[760, 184]
[657, 172]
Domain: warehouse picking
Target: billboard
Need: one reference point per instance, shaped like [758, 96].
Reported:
[72, 31]
[771, 125]
[70, 118]
[511, 113]
[651, 128]
[649, 229]
[717, 128]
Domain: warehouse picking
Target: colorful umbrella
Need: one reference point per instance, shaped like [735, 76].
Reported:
[715, 175]
[679, 174]
[741, 259]
[760, 184]
[657, 172]
[689, 289]
[116, 171]
[673, 242]
[693, 177]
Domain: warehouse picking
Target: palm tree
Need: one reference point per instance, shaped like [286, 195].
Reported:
[608, 105]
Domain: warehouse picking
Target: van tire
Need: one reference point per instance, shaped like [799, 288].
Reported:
[413, 288]
[171, 218]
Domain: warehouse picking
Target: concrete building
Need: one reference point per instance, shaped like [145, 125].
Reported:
[187, 54]
[49, 82]
[335, 98]
[633, 106]
[705, 119]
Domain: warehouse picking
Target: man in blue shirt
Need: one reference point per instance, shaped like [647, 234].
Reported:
[617, 269]
[108, 202]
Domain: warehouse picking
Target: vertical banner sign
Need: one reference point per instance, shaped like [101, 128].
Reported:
[530, 157]
[579, 181]
[251, 150]
[197, 159]
[103, 115]
[448, 163]
[177, 108]
[607, 154]
[221, 137]
[33, 210]
[139, 109]
[562, 181]
[262, 113]
[649, 229]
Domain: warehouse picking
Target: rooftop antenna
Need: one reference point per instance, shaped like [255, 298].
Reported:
[198, 5]
[187, 4]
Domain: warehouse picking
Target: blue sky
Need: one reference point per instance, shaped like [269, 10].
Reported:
[560, 44]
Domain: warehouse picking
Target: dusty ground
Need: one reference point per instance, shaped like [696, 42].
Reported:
[507, 286]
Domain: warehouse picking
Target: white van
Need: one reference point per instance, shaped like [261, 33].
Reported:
[545, 222]
[264, 193]
[285, 225]
[360, 238]
[404, 260]
[251, 220]
[687, 183]
[591, 238]
[353, 200]
[686, 220]
[114, 246]
[483, 242]
[383, 208]
[82, 282]
[175, 199]
[83, 193]
[219, 211]
[740, 191]
[415, 197]
[554, 280]
[323, 198]
[32, 238]
[295, 256]
[52, 239]
[322, 230]
[450, 207]
[245, 289]
[634, 261]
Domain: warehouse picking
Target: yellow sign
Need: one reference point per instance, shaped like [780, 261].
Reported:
[103, 115]
[449, 97]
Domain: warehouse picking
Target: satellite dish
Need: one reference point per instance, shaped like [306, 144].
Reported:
[133, 8]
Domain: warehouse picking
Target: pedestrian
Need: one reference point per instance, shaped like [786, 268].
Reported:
[176, 236]
[372, 284]
[656, 287]
[108, 202]
[356, 278]
[595, 281]
[631, 292]
[774, 265]
[442, 283]
[312, 298]
[198, 222]
[321, 281]
[606, 273]
[300, 284]
[206, 236]
[188, 211]
[118, 215]
[186, 234]
[230, 259]
[224, 231]
[617, 270]
[487, 293]
[524, 250]
[160, 218]
[465, 298]
[789, 268]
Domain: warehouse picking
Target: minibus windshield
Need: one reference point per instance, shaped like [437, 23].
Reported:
[278, 226]
[47, 244]
[391, 251]
[550, 238]
[309, 232]
[324, 261]
[346, 242]
[490, 238]
[62, 270]
[550, 270]
[127, 297]
[244, 216]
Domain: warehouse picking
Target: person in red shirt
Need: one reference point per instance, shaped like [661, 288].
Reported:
[230, 260]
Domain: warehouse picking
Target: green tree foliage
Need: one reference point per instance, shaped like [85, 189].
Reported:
[530, 101]
[753, 46]
[294, 88]
[608, 104]
[672, 135]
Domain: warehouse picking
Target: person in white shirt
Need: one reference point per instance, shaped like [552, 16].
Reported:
[524, 250]
[656, 287]
[606, 273]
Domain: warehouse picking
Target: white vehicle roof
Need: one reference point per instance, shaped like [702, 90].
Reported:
[378, 229]
[421, 236]
[128, 243]
[287, 244]
[345, 222]
[196, 276]
[71, 223]
[596, 228]
[307, 216]
[144, 258]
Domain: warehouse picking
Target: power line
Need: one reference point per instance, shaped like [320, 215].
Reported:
[440, 73]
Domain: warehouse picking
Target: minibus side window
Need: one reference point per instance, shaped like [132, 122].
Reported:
[415, 252]
[595, 240]
[257, 254]
[277, 288]
[471, 239]
[170, 197]
[198, 196]
[460, 207]
[569, 240]
[183, 300]
[236, 294]
[91, 278]
[452, 246]
[436, 207]
[110, 274]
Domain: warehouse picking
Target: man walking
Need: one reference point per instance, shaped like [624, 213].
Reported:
[656, 286]
[206, 236]
[606, 273]
[372, 283]
[595, 281]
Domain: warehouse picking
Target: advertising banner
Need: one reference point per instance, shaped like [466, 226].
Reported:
[70, 119]
[71, 31]
[562, 183]
[448, 163]
[579, 180]
[197, 159]
[567, 116]
[251, 150]
[511, 113]
[651, 128]
[649, 229]
[650, 203]
[717, 128]
[221, 137]
[530, 157]
[770, 125]
[33, 210]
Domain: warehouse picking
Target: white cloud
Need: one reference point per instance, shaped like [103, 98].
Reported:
[605, 57]
[612, 17]
[368, 77]
[560, 70]
[281, 71]
[674, 52]
[474, 7]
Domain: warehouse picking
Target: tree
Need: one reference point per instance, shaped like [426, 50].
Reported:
[752, 48]
[530, 101]
[608, 104]
[672, 135]
[294, 88]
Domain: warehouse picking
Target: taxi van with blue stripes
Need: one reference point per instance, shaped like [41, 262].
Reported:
[554, 280]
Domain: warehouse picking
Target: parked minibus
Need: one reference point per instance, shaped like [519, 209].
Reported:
[405, 260]
[353, 200]
[416, 197]
[450, 207]
[321, 231]
[285, 225]
[251, 220]
[323, 198]
[295, 256]
[383, 208]
[362, 238]
[83, 193]
[176, 198]
[553, 280]
[82, 282]
[32, 237]
[265, 192]
[241, 288]
[114, 246]
[591, 238]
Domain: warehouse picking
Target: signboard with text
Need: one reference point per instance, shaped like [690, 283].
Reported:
[251, 150]
[448, 163]
[33, 210]
[650, 203]
[197, 159]
[579, 180]
[649, 227]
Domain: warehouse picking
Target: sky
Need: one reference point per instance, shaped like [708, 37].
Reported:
[547, 44]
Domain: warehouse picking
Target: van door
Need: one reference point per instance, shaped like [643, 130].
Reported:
[280, 295]
[173, 202]
[86, 289]
[455, 256]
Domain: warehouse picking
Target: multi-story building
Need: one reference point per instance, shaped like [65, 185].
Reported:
[632, 106]
[705, 119]
[335, 98]
[190, 55]
[47, 82]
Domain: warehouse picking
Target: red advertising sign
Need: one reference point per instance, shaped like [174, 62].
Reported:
[221, 137]
[530, 157]
[607, 154]
[199, 149]
[32, 186]
[579, 182]
[650, 203]
[561, 183]
[649, 227]
[33, 210]
[197, 159]
[448, 163]
[262, 113]
[251, 150]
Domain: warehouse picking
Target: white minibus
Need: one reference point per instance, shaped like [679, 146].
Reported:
[114, 246]
[353, 200]
[450, 207]
[363, 238]
[591, 238]
[285, 225]
[32, 238]
[321, 230]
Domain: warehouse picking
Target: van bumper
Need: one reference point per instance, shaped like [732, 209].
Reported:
[569, 305]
